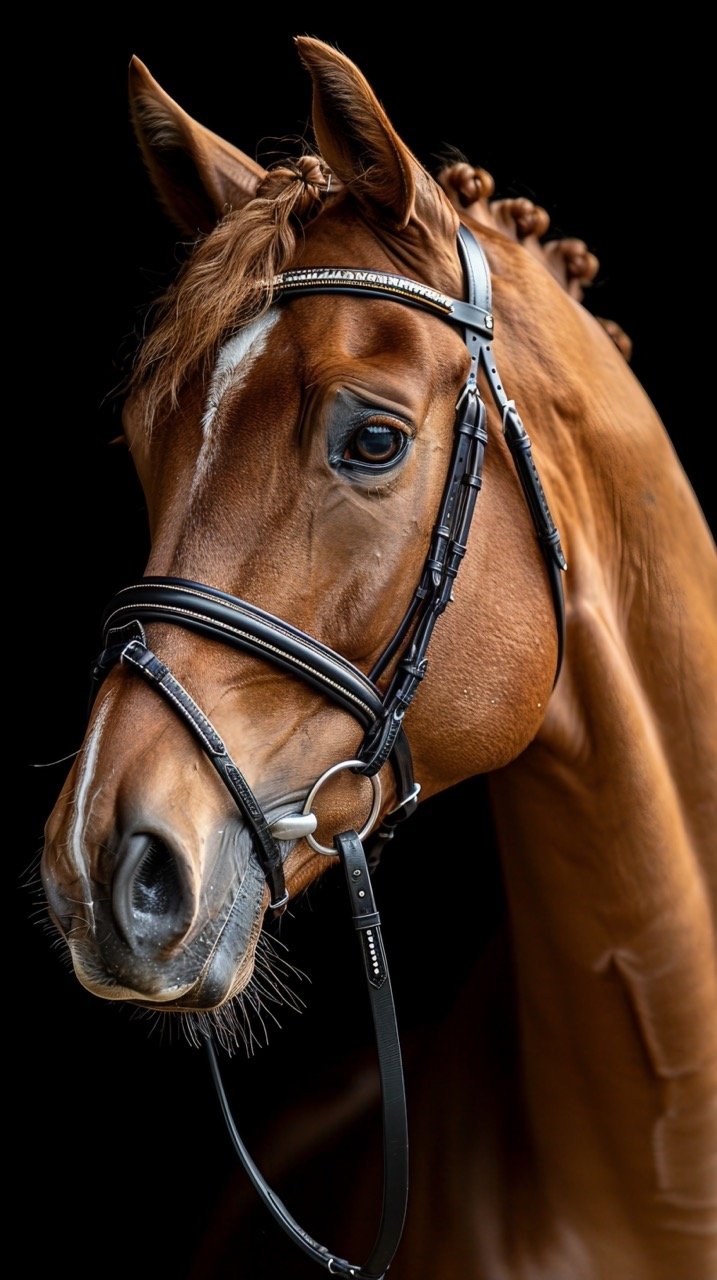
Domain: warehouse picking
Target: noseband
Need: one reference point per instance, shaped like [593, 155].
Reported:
[209, 612]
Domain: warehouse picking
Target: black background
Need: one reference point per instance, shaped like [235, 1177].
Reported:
[121, 1148]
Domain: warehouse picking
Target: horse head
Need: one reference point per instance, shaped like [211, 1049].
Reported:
[293, 451]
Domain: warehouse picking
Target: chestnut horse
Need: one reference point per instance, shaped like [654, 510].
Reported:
[294, 455]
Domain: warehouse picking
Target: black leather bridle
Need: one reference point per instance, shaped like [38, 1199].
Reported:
[244, 626]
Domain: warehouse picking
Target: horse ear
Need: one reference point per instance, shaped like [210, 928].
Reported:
[358, 141]
[197, 175]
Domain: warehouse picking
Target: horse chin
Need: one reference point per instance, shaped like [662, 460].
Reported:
[213, 967]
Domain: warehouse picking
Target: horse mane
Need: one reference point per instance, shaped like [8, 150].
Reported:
[569, 260]
[225, 282]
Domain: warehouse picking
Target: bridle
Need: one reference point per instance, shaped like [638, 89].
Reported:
[209, 612]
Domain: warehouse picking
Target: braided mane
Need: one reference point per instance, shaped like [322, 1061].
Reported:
[224, 282]
[569, 261]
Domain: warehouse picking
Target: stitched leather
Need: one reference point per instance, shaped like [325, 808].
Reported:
[244, 626]
[233, 621]
[157, 673]
[387, 288]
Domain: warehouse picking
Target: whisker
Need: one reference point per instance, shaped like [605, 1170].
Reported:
[50, 764]
[31, 872]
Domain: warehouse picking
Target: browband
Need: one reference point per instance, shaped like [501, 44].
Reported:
[382, 284]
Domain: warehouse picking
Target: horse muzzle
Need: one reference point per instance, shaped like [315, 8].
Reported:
[159, 934]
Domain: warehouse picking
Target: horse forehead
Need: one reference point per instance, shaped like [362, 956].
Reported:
[332, 323]
[324, 341]
[326, 330]
[233, 363]
[387, 347]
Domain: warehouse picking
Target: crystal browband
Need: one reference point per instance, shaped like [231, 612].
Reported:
[363, 280]
[383, 284]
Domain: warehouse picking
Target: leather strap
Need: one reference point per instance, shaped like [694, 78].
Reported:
[461, 490]
[475, 318]
[136, 655]
[474, 313]
[245, 627]
[367, 923]
[548, 537]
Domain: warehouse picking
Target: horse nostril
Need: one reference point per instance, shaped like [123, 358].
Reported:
[156, 887]
[151, 904]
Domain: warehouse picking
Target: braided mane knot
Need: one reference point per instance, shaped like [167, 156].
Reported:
[301, 183]
[469, 182]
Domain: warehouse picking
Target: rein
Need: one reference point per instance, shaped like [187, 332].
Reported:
[209, 612]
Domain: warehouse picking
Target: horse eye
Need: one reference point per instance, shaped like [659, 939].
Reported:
[375, 443]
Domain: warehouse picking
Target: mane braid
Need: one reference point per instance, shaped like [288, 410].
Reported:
[224, 284]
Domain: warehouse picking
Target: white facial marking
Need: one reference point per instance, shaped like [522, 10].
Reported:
[76, 842]
[234, 362]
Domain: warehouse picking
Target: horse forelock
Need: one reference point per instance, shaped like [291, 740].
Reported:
[225, 283]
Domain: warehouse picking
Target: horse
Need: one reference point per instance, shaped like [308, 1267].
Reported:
[293, 448]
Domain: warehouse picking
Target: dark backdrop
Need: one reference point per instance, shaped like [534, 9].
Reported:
[121, 1149]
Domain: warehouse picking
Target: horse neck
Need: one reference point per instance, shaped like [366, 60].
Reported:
[607, 829]
[638, 690]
